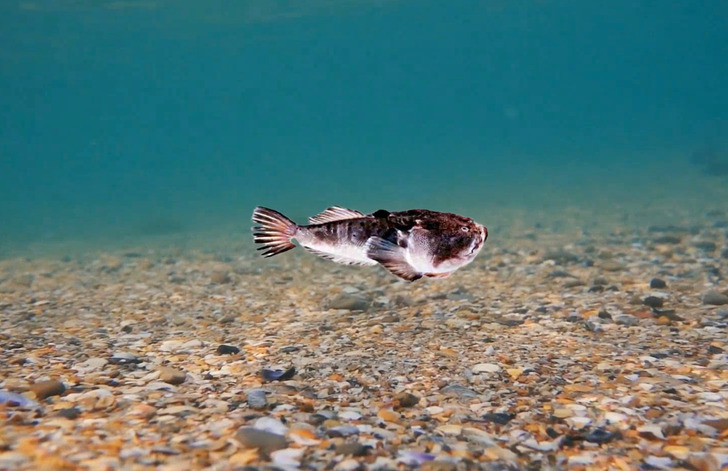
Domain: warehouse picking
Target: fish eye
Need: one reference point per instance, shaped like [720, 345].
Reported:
[465, 229]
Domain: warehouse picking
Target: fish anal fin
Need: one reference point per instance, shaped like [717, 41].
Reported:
[438, 275]
[334, 213]
[391, 256]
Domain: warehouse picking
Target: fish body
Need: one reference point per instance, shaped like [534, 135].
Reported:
[410, 244]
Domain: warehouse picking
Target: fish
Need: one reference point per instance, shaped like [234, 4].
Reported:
[410, 244]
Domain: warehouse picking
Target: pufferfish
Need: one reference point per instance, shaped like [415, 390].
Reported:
[410, 244]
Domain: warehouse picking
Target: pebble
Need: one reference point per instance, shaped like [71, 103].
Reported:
[257, 399]
[17, 400]
[500, 418]
[44, 389]
[351, 449]
[348, 465]
[657, 283]
[626, 319]
[667, 239]
[287, 458]
[171, 375]
[715, 298]
[600, 435]
[227, 350]
[92, 364]
[220, 277]
[350, 302]
[406, 399]
[653, 301]
[486, 368]
[272, 425]
[459, 390]
[266, 442]
[438, 465]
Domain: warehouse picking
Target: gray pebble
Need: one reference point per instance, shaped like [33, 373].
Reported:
[350, 302]
[266, 442]
[715, 298]
[256, 399]
[626, 319]
[458, 390]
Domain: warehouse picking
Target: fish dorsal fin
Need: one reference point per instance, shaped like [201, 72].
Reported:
[334, 213]
[391, 256]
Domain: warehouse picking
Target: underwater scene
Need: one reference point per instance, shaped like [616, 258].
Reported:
[363, 235]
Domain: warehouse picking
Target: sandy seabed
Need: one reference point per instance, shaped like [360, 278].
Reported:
[553, 350]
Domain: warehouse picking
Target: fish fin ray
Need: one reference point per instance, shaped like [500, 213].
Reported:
[337, 258]
[274, 232]
[334, 213]
[391, 256]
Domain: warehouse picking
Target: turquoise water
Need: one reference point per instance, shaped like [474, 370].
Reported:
[134, 118]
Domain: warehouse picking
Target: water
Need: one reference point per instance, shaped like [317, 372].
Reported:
[128, 119]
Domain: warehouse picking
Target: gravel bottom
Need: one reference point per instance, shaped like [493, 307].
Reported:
[549, 352]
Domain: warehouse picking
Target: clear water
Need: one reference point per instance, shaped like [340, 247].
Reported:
[123, 119]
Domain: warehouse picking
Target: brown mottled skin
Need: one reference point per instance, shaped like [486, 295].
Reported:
[442, 232]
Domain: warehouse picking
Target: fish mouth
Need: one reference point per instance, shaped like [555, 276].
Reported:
[478, 242]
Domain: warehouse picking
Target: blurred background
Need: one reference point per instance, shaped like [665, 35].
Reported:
[129, 119]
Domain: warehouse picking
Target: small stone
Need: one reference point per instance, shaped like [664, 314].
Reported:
[600, 435]
[406, 399]
[388, 415]
[257, 399]
[657, 283]
[123, 358]
[342, 431]
[667, 239]
[626, 319]
[220, 277]
[486, 368]
[227, 350]
[715, 298]
[651, 432]
[350, 302]
[563, 413]
[44, 389]
[277, 375]
[458, 390]
[438, 465]
[500, 418]
[612, 265]
[70, 413]
[653, 301]
[266, 442]
[348, 465]
[92, 364]
[172, 375]
[351, 449]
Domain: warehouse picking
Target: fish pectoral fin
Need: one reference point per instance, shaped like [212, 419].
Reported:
[335, 213]
[337, 258]
[391, 256]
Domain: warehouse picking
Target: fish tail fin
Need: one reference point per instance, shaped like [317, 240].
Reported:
[274, 232]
